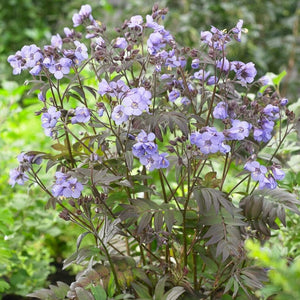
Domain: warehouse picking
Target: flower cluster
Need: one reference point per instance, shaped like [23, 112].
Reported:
[209, 141]
[263, 132]
[82, 115]
[134, 103]
[18, 175]
[49, 120]
[147, 152]
[54, 59]
[85, 13]
[66, 186]
[239, 130]
[265, 176]
[217, 40]
[165, 83]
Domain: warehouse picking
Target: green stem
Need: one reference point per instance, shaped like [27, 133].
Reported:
[70, 150]
[195, 270]
[96, 194]
[112, 266]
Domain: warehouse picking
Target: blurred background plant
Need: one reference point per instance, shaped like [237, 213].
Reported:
[29, 248]
[283, 271]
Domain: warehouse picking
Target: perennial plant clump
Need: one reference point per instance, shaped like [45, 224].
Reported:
[167, 156]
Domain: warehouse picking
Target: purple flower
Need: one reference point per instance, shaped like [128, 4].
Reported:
[100, 43]
[60, 177]
[147, 152]
[41, 97]
[25, 159]
[237, 30]
[114, 89]
[38, 60]
[212, 80]
[246, 73]
[264, 133]
[144, 149]
[150, 161]
[265, 80]
[162, 162]
[49, 120]
[16, 63]
[195, 63]
[77, 20]
[84, 14]
[185, 101]
[56, 41]
[135, 22]
[284, 101]
[119, 89]
[201, 75]
[277, 172]
[223, 65]
[29, 57]
[258, 172]
[61, 68]
[151, 24]
[100, 112]
[70, 33]
[155, 42]
[271, 111]
[215, 38]
[136, 101]
[165, 77]
[66, 186]
[118, 114]
[104, 88]
[219, 39]
[82, 115]
[206, 37]
[133, 105]
[268, 182]
[73, 189]
[80, 52]
[182, 61]
[221, 111]
[238, 131]
[209, 141]
[169, 58]
[17, 176]
[120, 42]
[174, 95]
[49, 62]
[144, 137]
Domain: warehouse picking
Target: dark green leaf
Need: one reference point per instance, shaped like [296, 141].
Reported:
[158, 221]
[144, 221]
[51, 203]
[141, 290]
[43, 294]
[60, 290]
[98, 292]
[82, 294]
[80, 238]
[174, 293]
[78, 90]
[129, 160]
[91, 90]
[160, 288]
[169, 219]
